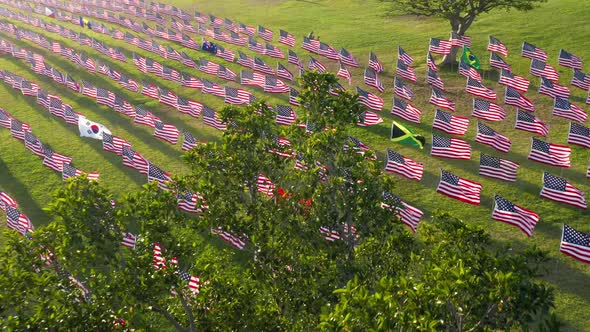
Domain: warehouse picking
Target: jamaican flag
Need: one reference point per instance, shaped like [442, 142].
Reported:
[469, 58]
[401, 134]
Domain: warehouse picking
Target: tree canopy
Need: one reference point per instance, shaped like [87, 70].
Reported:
[282, 198]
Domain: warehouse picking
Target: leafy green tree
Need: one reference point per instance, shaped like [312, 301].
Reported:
[454, 282]
[460, 13]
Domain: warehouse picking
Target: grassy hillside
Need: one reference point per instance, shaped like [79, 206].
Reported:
[359, 26]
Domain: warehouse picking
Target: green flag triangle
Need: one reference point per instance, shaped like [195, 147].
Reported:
[469, 58]
[403, 135]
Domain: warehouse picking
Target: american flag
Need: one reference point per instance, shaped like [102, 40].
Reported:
[332, 235]
[150, 90]
[293, 97]
[246, 29]
[433, 79]
[374, 63]
[189, 81]
[281, 147]
[42, 98]
[215, 21]
[189, 141]
[315, 64]
[328, 51]
[262, 67]
[468, 71]
[439, 46]
[274, 85]
[476, 88]
[286, 38]
[254, 45]
[494, 45]
[265, 185]
[285, 115]
[273, 51]
[210, 118]
[71, 83]
[450, 124]
[70, 116]
[166, 97]
[488, 136]
[310, 45]
[514, 98]
[487, 110]
[459, 188]
[372, 79]
[569, 60]
[228, 237]
[294, 59]
[188, 42]
[575, 244]
[212, 88]
[369, 100]
[405, 71]
[264, 33]
[551, 154]
[252, 78]
[208, 67]
[157, 174]
[70, 171]
[514, 215]
[33, 144]
[581, 80]
[497, 168]
[129, 240]
[56, 106]
[140, 63]
[188, 201]
[113, 143]
[452, 148]
[400, 89]
[105, 97]
[528, 122]
[226, 73]
[186, 60]
[458, 40]
[408, 214]
[405, 110]
[347, 58]
[439, 99]
[430, 62]
[542, 69]
[533, 52]
[579, 135]
[369, 119]
[344, 73]
[5, 119]
[114, 74]
[396, 163]
[516, 82]
[166, 132]
[560, 190]
[356, 145]
[17, 221]
[236, 96]
[29, 88]
[563, 108]
[54, 160]
[245, 60]
[145, 117]
[170, 74]
[553, 89]
[404, 57]
[6, 200]
[283, 72]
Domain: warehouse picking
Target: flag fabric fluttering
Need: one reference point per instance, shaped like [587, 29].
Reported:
[497, 168]
[450, 124]
[551, 154]
[402, 134]
[469, 58]
[405, 110]
[575, 244]
[560, 190]
[408, 214]
[459, 188]
[512, 214]
[396, 163]
[91, 129]
[451, 148]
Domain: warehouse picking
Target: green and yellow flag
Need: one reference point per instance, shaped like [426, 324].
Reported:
[403, 135]
[469, 58]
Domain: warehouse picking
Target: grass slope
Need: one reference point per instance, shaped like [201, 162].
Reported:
[360, 27]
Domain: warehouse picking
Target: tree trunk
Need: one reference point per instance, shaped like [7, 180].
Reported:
[458, 26]
[451, 58]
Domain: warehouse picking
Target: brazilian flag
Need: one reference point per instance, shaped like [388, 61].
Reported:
[401, 134]
[469, 58]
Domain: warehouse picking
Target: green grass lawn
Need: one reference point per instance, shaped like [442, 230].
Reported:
[359, 26]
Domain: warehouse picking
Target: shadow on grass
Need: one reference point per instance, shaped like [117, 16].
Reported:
[18, 190]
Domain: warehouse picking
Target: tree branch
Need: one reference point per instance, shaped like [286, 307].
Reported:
[169, 317]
